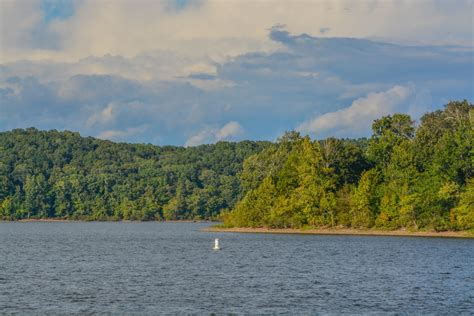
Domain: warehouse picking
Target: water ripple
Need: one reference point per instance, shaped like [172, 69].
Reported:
[149, 268]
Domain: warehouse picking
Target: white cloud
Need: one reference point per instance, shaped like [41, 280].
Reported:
[220, 29]
[210, 135]
[200, 138]
[357, 119]
[104, 116]
[17, 21]
[231, 129]
[115, 65]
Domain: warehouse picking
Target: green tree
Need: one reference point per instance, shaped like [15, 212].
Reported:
[388, 132]
[364, 200]
[462, 216]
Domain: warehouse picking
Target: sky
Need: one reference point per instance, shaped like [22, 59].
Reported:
[191, 72]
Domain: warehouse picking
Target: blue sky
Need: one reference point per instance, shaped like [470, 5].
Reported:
[57, 9]
[191, 72]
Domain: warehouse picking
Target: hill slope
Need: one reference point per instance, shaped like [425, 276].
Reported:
[46, 174]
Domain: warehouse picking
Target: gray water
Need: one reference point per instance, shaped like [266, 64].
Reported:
[150, 268]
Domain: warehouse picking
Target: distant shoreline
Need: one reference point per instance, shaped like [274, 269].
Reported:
[60, 220]
[341, 231]
[262, 230]
[27, 220]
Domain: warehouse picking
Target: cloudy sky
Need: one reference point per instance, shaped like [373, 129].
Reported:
[187, 72]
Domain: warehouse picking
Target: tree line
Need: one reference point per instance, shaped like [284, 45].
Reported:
[405, 176]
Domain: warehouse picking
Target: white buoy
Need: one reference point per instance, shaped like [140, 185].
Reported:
[216, 244]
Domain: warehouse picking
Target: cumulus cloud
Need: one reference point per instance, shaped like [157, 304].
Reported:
[229, 130]
[106, 67]
[356, 120]
[269, 92]
[18, 19]
[218, 28]
[210, 135]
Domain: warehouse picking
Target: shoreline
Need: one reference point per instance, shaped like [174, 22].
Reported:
[290, 231]
[60, 220]
[341, 231]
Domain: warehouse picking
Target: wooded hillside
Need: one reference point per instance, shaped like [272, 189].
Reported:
[46, 174]
[408, 176]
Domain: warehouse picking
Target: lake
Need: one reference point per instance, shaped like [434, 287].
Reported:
[149, 268]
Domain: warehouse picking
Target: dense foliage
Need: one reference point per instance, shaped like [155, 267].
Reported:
[404, 176]
[45, 174]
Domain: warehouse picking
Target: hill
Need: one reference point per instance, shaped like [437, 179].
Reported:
[52, 174]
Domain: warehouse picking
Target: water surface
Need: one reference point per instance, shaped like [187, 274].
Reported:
[150, 268]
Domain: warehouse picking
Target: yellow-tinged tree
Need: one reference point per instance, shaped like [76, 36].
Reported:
[363, 203]
[255, 207]
[462, 216]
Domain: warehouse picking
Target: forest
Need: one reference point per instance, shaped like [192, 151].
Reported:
[51, 174]
[407, 175]
[414, 175]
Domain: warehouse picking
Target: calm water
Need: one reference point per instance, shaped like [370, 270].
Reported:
[171, 268]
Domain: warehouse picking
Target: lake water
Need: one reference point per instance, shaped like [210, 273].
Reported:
[149, 268]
